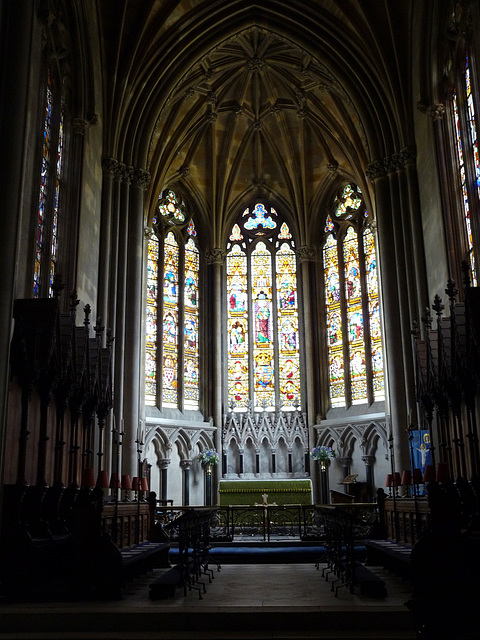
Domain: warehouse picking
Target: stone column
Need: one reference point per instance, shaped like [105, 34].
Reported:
[68, 240]
[224, 463]
[125, 175]
[109, 167]
[369, 462]
[164, 463]
[257, 461]
[241, 454]
[306, 256]
[208, 484]
[274, 462]
[396, 399]
[133, 315]
[16, 35]
[324, 483]
[186, 465]
[406, 277]
[408, 157]
[216, 260]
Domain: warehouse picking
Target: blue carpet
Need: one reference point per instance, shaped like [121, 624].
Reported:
[268, 555]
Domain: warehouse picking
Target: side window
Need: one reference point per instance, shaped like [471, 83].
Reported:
[172, 313]
[354, 340]
[49, 199]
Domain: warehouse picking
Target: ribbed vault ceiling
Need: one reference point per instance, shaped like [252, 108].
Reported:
[256, 115]
[267, 109]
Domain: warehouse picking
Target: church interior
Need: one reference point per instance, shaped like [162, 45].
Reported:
[240, 268]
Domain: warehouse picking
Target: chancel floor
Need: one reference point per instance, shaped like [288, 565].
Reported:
[251, 602]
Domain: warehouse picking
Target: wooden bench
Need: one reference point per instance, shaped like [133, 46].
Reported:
[394, 556]
[144, 557]
[166, 585]
[370, 584]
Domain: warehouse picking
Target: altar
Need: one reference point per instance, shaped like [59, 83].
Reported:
[250, 492]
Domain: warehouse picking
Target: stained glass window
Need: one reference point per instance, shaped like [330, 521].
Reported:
[472, 124]
[463, 185]
[468, 161]
[172, 313]
[151, 321]
[351, 289]
[262, 313]
[192, 264]
[46, 245]
[334, 322]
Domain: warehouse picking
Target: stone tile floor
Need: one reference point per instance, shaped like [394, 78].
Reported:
[236, 595]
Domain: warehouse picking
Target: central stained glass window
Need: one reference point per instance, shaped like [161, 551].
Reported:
[262, 313]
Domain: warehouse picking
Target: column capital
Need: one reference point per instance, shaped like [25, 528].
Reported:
[110, 167]
[140, 178]
[393, 163]
[163, 463]
[126, 174]
[408, 155]
[186, 464]
[306, 254]
[345, 462]
[216, 256]
[368, 460]
[80, 125]
[376, 170]
[434, 111]
[184, 171]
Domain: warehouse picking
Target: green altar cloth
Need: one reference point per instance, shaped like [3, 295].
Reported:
[249, 492]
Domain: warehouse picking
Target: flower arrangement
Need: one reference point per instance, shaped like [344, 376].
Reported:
[322, 454]
[208, 456]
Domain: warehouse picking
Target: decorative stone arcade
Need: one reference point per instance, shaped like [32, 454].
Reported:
[265, 445]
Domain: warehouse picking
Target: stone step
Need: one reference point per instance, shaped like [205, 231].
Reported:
[75, 623]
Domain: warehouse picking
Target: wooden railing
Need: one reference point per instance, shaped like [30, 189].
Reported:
[127, 523]
[406, 519]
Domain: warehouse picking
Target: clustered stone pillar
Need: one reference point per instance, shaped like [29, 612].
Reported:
[369, 462]
[164, 463]
[186, 465]
[396, 325]
[216, 260]
[208, 484]
[134, 314]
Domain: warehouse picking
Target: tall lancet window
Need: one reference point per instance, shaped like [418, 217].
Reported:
[468, 161]
[172, 313]
[352, 305]
[262, 313]
[46, 244]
